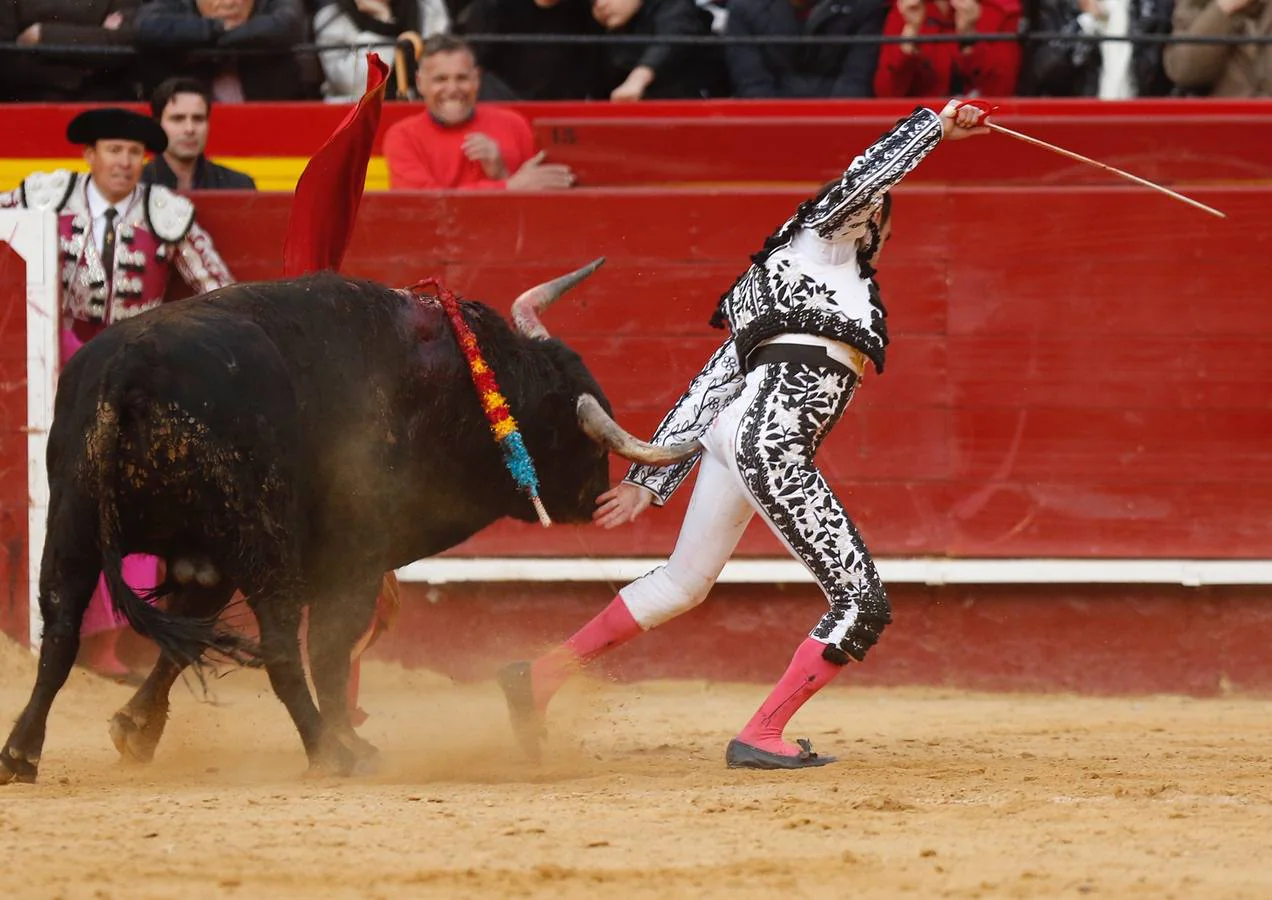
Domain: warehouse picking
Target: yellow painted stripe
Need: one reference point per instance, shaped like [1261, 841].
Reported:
[272, 173]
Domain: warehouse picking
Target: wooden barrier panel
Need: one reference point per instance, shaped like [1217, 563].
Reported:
[14, 594]
[1203, 141]
[1168, 149]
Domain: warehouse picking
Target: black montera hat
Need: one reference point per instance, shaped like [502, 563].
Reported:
[114, 124]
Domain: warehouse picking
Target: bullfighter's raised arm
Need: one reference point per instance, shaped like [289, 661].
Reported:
[845, 206]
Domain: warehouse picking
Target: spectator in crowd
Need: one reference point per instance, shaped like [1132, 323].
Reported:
[715, 14]
[168, 28]
[1060, 67]
[654, 71]
[971, 68]
[118, 243]
[183, 107]
[813, 70]
[532, 70]
[1222, 70]
[457, 143]
[74, 76]
[1148, 73]
[366, 22]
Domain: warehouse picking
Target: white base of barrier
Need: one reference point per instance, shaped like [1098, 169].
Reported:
[930, 570]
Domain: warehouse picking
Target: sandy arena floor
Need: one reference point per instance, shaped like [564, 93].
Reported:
[942, 794]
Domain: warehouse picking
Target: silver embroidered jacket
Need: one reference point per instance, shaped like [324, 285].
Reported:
[155, 235]
[807, 281]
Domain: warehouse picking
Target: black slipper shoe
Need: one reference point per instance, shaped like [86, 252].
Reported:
[527, 724]
[743, 756]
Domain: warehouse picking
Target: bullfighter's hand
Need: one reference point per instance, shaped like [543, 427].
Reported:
[482, 150]
[962, 120]
[30, 35]
[620, 505]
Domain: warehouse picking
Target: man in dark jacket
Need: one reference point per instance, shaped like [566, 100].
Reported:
[533, 70]
[76, 75]
[796, 70]
[655, 71]
[172, 28]
[183, 108]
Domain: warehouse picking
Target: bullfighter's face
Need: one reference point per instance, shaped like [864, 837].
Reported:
[185, 121]
[115, 167]
[448, 82]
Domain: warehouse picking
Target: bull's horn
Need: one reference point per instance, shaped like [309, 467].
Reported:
[598, 425]
[526, 308]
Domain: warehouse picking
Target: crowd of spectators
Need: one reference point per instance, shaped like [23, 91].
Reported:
[246, 50]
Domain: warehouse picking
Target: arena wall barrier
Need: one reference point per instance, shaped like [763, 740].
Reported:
[659, 143]
[1076, 374]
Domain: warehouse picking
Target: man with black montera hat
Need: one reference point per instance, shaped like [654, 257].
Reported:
[118, 242]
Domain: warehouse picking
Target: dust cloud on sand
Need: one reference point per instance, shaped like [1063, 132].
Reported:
[938, 794]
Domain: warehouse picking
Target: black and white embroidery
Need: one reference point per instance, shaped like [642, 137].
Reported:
[775, 296]
[711, 391]
[794, 409]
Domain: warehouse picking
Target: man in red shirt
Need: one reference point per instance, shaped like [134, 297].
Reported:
[971, 68]
[456, 143]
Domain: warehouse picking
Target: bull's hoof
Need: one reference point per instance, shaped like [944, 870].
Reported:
[345, 755]
[136, 737]
[15, 769]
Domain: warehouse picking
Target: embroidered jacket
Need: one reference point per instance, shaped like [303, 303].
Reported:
[807, 282]
[152, 237]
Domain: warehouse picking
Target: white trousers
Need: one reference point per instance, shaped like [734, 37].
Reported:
[758, 457]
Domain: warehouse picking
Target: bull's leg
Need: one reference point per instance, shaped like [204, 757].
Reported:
[138, 726]
[336, 622]
[279, 619]
[67, 580]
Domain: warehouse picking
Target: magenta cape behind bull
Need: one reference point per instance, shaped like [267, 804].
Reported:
[293, 440]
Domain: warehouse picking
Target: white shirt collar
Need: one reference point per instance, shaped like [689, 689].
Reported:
[97, 204]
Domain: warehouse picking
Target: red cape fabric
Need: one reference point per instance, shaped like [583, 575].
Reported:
[325, 206]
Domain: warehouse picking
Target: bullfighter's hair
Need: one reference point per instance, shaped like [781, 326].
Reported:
[493, 402]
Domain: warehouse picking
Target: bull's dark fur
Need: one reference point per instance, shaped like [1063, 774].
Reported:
[301, 437]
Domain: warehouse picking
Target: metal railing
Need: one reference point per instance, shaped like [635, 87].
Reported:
[479, 40]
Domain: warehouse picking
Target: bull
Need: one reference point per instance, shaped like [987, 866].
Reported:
[292, 441]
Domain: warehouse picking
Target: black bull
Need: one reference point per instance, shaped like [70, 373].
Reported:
[292, 441]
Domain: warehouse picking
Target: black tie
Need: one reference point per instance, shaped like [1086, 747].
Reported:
[108, 244]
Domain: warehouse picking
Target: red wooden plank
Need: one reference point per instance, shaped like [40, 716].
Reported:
[641, 150]
[1099, 639]
[1108, 372]
[1136, 446]
[298, 129]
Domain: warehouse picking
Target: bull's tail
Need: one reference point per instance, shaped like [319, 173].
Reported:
[182, 639]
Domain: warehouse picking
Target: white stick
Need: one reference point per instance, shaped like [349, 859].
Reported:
[1099, 165]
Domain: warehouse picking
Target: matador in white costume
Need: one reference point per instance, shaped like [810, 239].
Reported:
[805, 320]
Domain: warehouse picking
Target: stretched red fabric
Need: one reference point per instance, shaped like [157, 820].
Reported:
[325, 206]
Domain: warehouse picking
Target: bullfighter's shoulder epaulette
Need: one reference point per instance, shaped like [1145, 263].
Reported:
[48, 190]
[168, 214]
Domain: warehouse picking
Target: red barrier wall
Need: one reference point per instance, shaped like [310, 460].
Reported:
[787, 141]
[14, 601]
[1073, 372]
[1090, 639]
